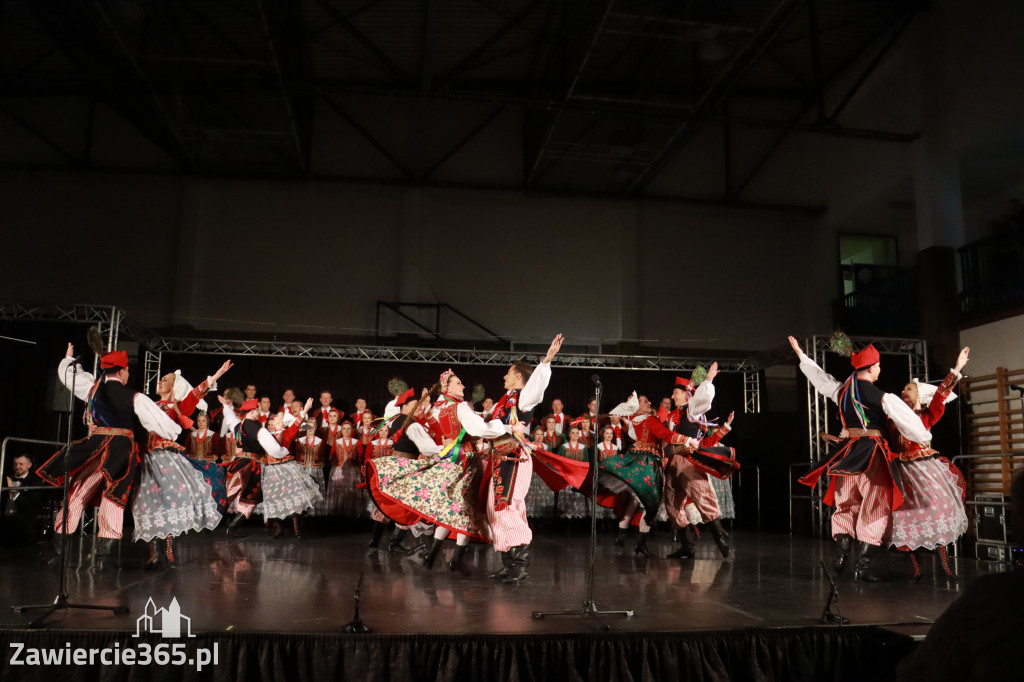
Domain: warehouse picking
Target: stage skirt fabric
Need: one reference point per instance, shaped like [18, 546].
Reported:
[540, 500]
[572, 504]
[318, 479]
[641, 472]
[175, 496]
[932, 513]
[287, 490]
[344, 496]
[723, 491]
[441, 492]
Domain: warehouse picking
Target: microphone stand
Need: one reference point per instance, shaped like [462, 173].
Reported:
[829, 614]
[589, 607]
[60, 602]
[356, 626]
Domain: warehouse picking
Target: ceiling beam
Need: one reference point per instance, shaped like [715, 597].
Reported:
[532, 173]
[716, 93]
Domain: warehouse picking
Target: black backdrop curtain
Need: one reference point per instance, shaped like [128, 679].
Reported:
[793, 655]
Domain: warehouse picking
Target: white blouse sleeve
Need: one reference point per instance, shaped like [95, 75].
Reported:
[905, 419]
[419, 436]
[475, 424]
[823, 382]
[230, 420]
[154, 419]
[702, 398]
[533, 392]
[270, 444]
[83, 380]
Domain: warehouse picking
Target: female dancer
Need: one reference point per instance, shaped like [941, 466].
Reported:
[344, 497]
[176, 493]
[638, 475]
[288, 491]
[539, 499]
[444, 489]
[932, 514]
[571, 503]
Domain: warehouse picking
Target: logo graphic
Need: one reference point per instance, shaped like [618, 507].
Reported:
[170, 620]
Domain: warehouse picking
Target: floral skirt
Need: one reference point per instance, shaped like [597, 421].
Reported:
[932, 513]
[344, 496]
[287, 490]
[441, 492]
[641, 472]
[176, 495]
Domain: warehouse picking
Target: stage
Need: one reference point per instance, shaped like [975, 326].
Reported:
[253, 593]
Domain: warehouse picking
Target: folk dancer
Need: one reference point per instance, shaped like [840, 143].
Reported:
[865, 484]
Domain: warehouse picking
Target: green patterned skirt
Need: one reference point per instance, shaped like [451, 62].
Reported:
[640, 473]
[440, 492]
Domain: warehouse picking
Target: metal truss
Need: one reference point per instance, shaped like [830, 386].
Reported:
[150, 369]
[461, 356]
[752, 392]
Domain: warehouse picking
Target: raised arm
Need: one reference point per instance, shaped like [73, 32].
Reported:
[704, 395]
[823, 382]
[230, 420]
[83, 380]
[533, 393]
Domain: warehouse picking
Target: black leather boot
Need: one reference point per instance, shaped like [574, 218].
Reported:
[458, 562]
[378, 534]
[620, 537]
[951, 575]
[641, 547]
[916, 563]
[506, 565]
[862, 569]
[687, 544]
[431, 555]
[721, 537]
[153, 560]
[845, 544]
[169, 553]
[395, 545]
[103, 558]
[520, 562]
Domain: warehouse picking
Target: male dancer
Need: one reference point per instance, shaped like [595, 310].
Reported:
[512, 466]
[865, 483]
[682, 478]
[104, 462]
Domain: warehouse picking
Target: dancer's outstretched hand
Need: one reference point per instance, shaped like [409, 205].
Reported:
[712, 372]
[728, 421]
[960, 361]
[70, 352]
[223, 401]
[223, 369]
[305, 408]
[556, 345]
[796, 345]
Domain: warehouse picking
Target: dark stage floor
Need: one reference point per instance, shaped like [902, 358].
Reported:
[255, 583]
